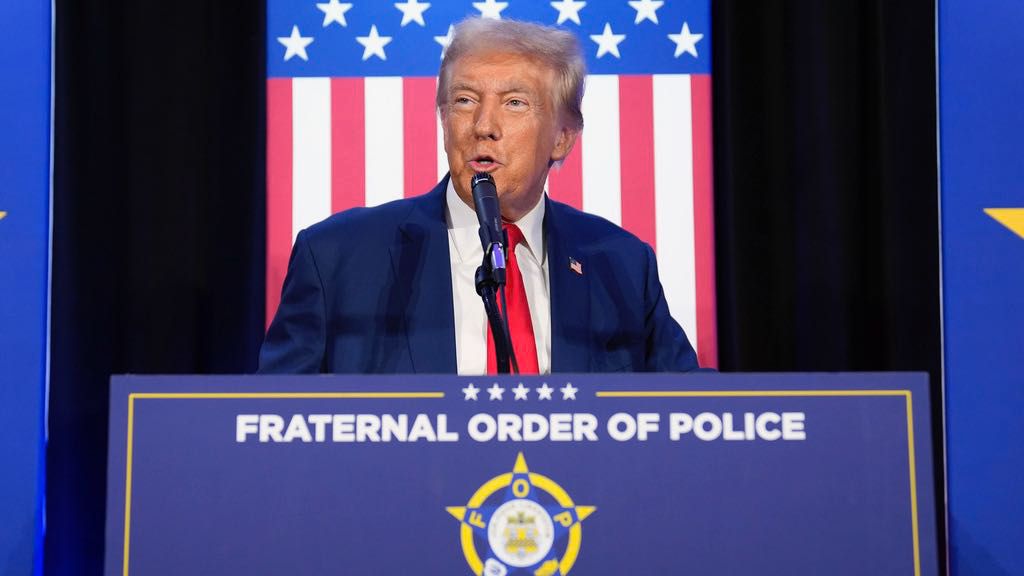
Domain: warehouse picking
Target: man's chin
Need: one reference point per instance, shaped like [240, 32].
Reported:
[514, 205]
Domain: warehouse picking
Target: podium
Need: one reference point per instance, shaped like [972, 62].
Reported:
[794, 474]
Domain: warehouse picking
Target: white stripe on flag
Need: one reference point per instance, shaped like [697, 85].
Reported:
[311, 152]
[442, 158]
[673, 200]
[601, 171]
[385, 169]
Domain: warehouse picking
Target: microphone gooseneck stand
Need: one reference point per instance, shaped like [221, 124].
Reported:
[490, 280]
[508, 334]
[490, 276]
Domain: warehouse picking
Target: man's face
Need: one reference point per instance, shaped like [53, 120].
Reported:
[500, 117]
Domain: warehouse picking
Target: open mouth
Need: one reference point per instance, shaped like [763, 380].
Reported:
[483, 162]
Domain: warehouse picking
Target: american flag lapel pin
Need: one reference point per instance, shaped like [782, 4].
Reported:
[575, 266]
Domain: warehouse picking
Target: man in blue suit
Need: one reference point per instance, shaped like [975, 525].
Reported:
[390, 288]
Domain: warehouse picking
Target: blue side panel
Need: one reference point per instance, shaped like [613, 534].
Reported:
[24, 267]
[982, 160]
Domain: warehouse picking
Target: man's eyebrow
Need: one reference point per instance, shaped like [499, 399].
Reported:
[515, 88]
[461, 86]
[502, 89]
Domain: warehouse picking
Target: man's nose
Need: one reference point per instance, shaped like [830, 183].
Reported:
[488, 122]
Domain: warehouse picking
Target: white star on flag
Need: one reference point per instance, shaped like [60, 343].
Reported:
[490, 9]
[334, 11]
[544, 392]
[373, 45]
[412, 11]
[445, 40]
[607, 42]
[569, 391]
[521, 392]
[495, 391]
[646, 10]
[568, 10]
[685, 41]
[470, 392]
[295, 44]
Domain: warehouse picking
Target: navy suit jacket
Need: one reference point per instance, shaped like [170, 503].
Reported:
[370, 290]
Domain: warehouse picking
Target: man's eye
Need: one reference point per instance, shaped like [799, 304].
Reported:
[516, 103]
[462, 100]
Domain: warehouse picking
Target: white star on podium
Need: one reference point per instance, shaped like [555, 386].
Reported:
[496, 392]
[521, 392]
[569, 391]
[544, 392]
[470, 392]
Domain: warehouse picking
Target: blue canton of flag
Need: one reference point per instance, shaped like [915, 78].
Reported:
[341, 39]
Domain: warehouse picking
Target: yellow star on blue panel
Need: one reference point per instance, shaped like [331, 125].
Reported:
[524, 522]
[1012, 218]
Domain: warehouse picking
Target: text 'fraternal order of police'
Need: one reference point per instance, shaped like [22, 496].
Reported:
[514, 427]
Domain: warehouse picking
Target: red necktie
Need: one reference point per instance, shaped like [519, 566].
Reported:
[520, 326]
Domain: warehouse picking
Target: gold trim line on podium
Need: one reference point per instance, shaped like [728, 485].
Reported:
[906, 394]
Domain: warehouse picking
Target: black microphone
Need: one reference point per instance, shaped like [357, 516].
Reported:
[488, 213]
[490, 276]
[485, 198]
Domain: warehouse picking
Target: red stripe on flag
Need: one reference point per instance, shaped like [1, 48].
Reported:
[565, 183]
[348, 144]
[420, 130]
[636, 153]
[704, 220]
[279, 188]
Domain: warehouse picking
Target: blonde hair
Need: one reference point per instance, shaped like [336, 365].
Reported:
[554, 47]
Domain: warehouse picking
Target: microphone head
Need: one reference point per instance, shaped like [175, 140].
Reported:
[483, 183]
[488, 212]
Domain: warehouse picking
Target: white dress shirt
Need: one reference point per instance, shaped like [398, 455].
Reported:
[466, 255]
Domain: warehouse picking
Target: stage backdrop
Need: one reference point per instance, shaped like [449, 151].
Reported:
[351, 121]
[981, 91]
[24, 279]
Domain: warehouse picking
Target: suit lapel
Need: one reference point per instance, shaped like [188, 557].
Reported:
[570, 296]
[422, 269]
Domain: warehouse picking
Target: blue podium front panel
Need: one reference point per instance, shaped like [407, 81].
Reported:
[596, 474]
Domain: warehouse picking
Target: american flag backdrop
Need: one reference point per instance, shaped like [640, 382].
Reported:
[351, 122]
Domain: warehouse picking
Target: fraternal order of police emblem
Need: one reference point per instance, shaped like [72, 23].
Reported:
[531, 527]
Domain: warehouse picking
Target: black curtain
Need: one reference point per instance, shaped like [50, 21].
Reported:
[826, 194]
[826, 206]
[157, 225]
[826, 185]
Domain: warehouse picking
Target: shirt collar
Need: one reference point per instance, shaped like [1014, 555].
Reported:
[532, 226]
[459, 214]
[463, 225]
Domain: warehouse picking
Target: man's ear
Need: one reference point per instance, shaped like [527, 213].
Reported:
[564, 143]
